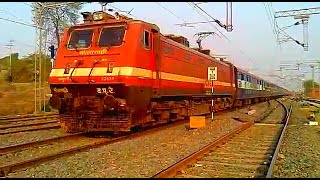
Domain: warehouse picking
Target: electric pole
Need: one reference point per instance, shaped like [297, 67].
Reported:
[319, 80]
[312, 68]
[10, 45]
[313, 64]
[41, 22]
[303, 16]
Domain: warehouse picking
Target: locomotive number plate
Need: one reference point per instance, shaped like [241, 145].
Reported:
[108, 90]
[106, 78]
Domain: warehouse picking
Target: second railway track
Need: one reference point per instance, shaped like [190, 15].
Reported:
[249, 151]
[60, 146]
[28, 123]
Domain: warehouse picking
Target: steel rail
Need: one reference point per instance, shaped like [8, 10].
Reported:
[173, 169]
[35, 143]
[32, 129]
[275, 155]
[25, 116]
[6, 169]
[27, 125]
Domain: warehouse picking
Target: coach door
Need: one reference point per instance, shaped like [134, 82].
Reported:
[156, 61]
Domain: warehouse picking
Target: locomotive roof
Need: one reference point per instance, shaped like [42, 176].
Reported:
[195, 51]
[114, 21]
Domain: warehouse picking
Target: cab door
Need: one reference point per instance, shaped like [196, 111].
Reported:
[156, 61]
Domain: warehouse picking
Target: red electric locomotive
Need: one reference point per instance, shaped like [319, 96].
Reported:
[113, 73]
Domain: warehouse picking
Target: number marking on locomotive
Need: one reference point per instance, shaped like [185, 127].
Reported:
[108, 90]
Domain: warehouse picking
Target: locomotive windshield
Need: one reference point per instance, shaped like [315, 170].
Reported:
[111, 36]
[80, 38]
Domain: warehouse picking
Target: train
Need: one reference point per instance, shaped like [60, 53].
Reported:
[113, 73]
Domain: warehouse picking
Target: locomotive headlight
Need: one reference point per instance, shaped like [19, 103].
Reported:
[97, 16]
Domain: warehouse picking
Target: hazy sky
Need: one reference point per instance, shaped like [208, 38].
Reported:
[252, 42]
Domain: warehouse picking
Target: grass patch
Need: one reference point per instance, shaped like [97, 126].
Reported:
[18, 98]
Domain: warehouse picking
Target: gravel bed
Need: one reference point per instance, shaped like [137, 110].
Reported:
[276, 116]
[139, 157]
[25, 137]
[300, 152]
[46, 149]
[255, 139]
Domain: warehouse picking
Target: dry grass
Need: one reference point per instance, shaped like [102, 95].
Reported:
[17, 98]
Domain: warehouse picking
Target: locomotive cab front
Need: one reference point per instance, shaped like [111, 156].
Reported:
[99, 66]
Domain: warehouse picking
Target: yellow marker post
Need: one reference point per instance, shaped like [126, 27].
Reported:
[197, 121]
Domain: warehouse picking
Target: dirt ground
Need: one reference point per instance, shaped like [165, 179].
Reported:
[300, 153]
[18, 98]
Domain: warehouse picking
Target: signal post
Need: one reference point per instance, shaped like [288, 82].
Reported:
[212, 76]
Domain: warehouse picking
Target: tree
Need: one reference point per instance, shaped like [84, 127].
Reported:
[23, 69]
[308, 85]
[56, 18]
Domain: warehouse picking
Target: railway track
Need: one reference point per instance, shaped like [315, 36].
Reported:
[27, 123]
[15, 119]
[57, 144]
[314, 103]
[248, 151]
[63, 146]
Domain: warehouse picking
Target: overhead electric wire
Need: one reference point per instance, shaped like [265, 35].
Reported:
[121, 10]
[174, 14]
[273, 12]
[13, 16]
[269, 15]
[275, 24]
[193, 5]
[27, 4]
[25, 24]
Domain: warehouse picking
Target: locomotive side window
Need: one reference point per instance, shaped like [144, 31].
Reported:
[111, 36]
[146, 41]
[80, 39]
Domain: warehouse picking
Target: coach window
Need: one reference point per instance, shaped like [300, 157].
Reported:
[242, 76]
[146, 39]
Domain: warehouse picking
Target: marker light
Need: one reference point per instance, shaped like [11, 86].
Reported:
[97, 16]
[110, 67]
